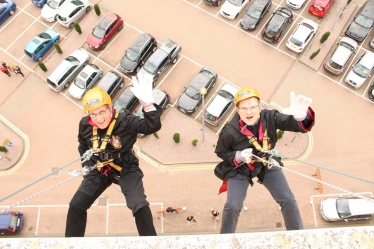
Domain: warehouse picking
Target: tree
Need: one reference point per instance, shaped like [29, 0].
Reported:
[194, 142]
[77, 28]
[324, 37]
[314, 54]
[280, 134]
[42, 66]
[58, 48]
[3, 149]
[97, 9]
[155, 134]
[176, 137]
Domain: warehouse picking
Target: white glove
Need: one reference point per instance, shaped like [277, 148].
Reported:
[299, 106]
[142, 88]
[244, 156]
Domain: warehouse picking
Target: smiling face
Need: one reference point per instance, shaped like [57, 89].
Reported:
[101, 116]
[249, 110]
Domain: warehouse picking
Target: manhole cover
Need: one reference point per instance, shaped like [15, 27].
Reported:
[278, 224]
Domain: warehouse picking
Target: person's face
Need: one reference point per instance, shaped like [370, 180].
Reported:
[101, 116]
[249, 110]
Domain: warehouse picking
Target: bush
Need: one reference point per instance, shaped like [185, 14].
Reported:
[324, 37]
[3, 149]
[97, 9]
[77, 28]
[176, 137]
[194, 142]
[155, 134]
[58, 48]
[314, 54]
[280, 134]
[42, 66]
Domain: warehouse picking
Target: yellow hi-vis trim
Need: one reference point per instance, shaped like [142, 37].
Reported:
[264, 147]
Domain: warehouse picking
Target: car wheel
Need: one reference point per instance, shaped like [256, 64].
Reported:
[174, 60]
[103, 46]
[88, 8]
[122, 85]
[218, 3]
[11, 12]
[154, 49]
[101, 75]
[40, 58]
[236, 16]
[120, 27]
[256, 26]
[55, 18]
[71, 25]
[67, 85]
[137, 69]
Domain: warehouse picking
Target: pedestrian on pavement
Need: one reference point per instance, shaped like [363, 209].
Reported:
[190, 219]
[5, 70]
[253, 131]
[215, 214]
[17, 70]
[171, 210]
[112, 135]
[4, 64]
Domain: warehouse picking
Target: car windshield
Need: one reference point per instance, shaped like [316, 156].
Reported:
[318, 7]
[53, 4]
[274, 25]
[98, 32]
[192, 93]
[210, 117]
[342, 207]
[364, 22]
[296, 42]
[132, 56]
[80, 83]
[73, 60]
[254, 13]
[13, 221]
[226, 94]
[149, 67]
[347, 45]
[361, 71]
[235, 2]
[335, 65]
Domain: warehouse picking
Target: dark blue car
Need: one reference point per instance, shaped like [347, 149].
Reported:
[40, 44]
[39, 3]
[7, 8]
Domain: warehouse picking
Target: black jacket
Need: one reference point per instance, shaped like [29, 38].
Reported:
[125, 132]
[231, 139]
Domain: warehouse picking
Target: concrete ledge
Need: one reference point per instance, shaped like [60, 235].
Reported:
[348, 237]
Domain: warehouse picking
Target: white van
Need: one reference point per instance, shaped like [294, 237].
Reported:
[361, 70]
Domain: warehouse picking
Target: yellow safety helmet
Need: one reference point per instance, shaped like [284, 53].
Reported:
[95, 98]
[246, 93]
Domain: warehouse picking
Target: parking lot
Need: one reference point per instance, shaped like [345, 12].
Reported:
[240, 58]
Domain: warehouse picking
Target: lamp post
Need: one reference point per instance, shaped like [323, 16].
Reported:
[203, 91]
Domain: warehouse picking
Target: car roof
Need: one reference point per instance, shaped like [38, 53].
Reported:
[368, 10]
[259, 4]
[140, 41]
[88, 69]
[302, 31]
[168, 46]
[158, 95]
[341, 55]
[68, 8]
[230, 88]
[60, 69]
[107, 80]
[4, 220]
[157, 57]
[368, 60]
[217, 105]
[283, 11]
[107, 20]
[125, 96]
[361, 206]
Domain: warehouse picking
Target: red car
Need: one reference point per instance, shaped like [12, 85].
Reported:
[320, 7]
[104, 30]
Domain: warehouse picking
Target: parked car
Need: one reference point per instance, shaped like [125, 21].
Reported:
[295, 4]
[64, 73]
[254, 14]
[39, 3]
[220, 104]
[361, 70]
[72, 12]
[213, 2]
[127, 101]
[277, 24]
[52, 9]
[362, 23]
[346, 208]
[341, 55]
[41, 44]
[371, 91]
[112, 82]
[104, 31]
[85, 80]
[371, 44]
[320, 7]
[190, 99]
[302, 35]
[231, 8]
[160, 60]
[161, 98]
[137, 53]
[7, 8]
[11, 223]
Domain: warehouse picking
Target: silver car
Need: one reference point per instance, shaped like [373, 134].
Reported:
[85, 80]
[72, 12]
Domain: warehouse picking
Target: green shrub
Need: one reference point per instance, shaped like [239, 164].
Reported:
[97, 9]
[314, 54]
[324, 37]
[280, 134]
[155, 134]
[194, 142]
[77, 28]
[42, 66]
[58, 48]
[176, 137]
[3, 149]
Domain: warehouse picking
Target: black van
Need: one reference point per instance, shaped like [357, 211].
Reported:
[11, 222]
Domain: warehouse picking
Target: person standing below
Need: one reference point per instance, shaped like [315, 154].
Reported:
[17, 70]
[4, 68]
[253, 131]
[111, 135]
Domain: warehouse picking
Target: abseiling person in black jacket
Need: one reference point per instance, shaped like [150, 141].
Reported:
[112, 135]
[253, 131]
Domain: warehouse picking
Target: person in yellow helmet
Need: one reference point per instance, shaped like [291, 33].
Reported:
[112, 135]
[253, 131]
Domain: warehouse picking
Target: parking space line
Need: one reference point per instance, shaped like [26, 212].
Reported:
[11, 20]
[159, 84]
[17, 60]
[112, 40]
[21, 34]
[65, 95]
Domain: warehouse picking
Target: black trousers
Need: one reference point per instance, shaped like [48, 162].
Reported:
[94, 184]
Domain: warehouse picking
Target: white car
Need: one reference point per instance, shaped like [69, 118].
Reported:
[231, 8]
[361, 70]
[72, 12]
[52, 8]
[85, 80]
[302, 35]
[295, 4]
